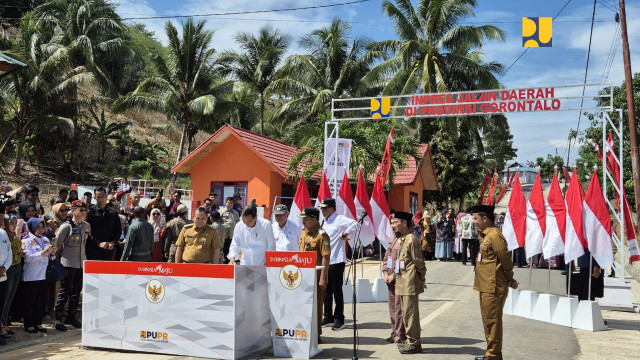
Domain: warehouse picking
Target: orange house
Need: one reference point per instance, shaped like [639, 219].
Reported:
[235, 160]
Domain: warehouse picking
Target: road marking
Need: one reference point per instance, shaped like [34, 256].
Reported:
[436, 313]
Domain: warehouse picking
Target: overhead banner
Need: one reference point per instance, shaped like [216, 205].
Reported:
[291, 278]
[336, 173]
[202, 310]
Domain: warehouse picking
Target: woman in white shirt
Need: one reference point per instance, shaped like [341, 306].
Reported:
[37, 249]
[252, 236]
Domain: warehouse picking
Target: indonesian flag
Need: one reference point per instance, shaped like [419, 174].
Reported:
[536, 220]
[485, 182]
[492, 189]
[380, 214]
[385, 164]
[323, 193]
[300, 201]
[367, 232]
[514, 228]
[574, 240]
[344, 203]
[597, 224]
[556, 221]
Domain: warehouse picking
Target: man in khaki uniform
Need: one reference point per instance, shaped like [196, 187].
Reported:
[198, 243]
[174, 227]
[494, 276]
[229, 220]
[409, 273]
[398, 334]
[313, 238]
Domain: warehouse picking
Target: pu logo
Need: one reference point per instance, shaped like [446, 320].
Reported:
[536, 31]
[380, 107]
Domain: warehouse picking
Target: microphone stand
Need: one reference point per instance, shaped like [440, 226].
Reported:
[353, 268]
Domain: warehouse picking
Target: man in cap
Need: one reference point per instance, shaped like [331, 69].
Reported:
[174, 227]
[252, 236]
[494, 276]
[314, 238]
[237, 203]
[398, 334]
[198, 243]
[215, 222]
[286, 232]
[410, 277]
[340, 229]
[229, 220]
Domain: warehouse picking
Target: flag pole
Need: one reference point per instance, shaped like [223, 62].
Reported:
[569, 273]
[380, 251]
[590, 273]
[530, 270]
[549, 280]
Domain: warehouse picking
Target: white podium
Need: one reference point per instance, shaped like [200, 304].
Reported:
[565, 311]
[293, 300]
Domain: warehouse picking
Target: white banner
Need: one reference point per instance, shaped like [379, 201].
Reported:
[291, 278]
[336, 173]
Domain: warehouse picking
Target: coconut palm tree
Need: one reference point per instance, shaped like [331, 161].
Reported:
[103, 131]
[256, 65]
[43, 93]
[183, 90]
[332, 68]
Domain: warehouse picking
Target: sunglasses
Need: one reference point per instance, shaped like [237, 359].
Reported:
[156, 214]
[82, 210]
[64, 210]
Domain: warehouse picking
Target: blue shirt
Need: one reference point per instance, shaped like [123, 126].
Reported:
[35, 265]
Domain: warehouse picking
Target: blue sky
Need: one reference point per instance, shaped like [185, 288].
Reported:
[535, 134]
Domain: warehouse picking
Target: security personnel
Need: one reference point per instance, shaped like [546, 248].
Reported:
[494, 276]
[174, 227]
[313, 238]
[410, 277]
[198, 243]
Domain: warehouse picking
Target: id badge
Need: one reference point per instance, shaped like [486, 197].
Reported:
[479, 257]
[390, 263]
[397, 267]
[401, 264]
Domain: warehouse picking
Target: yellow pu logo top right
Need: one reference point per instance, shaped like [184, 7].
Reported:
[536, 31]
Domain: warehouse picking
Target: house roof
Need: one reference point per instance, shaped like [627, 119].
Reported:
[277, 154]
[519, 167]
[9, 64]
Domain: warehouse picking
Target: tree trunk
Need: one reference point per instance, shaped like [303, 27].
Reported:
[461, 208]
[262, 113]
[19, 149]
[182, 139]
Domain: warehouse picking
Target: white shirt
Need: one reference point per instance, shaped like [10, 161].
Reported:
[335, 225]
[286, 238]
[253, 242]
[6, 257]
[35, 265]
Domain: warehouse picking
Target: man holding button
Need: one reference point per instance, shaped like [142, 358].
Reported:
[340, 229]
[286, 232]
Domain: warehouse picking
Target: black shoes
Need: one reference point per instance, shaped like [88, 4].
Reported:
[338, 325]
[390, 339]
[410, 349]
[74, 322]
[59, 325]
[41, 329]
[326, 322]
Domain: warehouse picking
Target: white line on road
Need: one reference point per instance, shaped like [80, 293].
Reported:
[436, 313]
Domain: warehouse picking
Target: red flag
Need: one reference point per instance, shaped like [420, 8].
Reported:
[536, 219]
[380, 214]
[574, 240]
[385, 164]
[300, 201]
[485, 182]
[503, 188]
[323, 193]
[514, 228]
[492, 189]
[344, 203]
[367, 232]
[597, 224]
[556, 221]
[567, 177]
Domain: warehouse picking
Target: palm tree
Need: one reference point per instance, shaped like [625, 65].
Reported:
[43, 93]
[332, 68]
[103, 131]
[256, 65]
[183, 90]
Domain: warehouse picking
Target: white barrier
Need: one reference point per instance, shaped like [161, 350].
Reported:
[510, 303]
[588, 317]
[525, 304]
[363, 291]
[380, 290]
[545, 306]
[347, 292]
[565, 311]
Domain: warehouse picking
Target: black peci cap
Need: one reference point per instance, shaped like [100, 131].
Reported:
[310, 212]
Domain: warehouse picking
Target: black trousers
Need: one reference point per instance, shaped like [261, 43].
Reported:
[597, 284]
[70, 289]
[225, 250]
[472, 245]
[35, 295]
[334, 291]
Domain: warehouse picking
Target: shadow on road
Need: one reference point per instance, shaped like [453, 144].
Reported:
[449, 341]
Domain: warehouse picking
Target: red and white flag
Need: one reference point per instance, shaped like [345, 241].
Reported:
[597, 224]
[323, 193]
[300, 201]
[574, 243]
[485, 183]
[344, 203]
[536, 220]
[556, 221]
[385, 164]
[492, 189]
[380, 214]
[514, 228]
[367, 231]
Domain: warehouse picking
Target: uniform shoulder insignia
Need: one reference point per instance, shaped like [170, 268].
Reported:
[189, 225]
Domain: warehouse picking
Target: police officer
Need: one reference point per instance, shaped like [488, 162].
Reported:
[410, 277]
[174, 227]
[313, 238]
[198, 243]
[494, 276]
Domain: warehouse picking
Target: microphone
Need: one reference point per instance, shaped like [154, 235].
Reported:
[362, 216]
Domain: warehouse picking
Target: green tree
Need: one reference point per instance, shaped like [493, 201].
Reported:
[498, 143]
[547, 166]
[103, 131]
[256, 65]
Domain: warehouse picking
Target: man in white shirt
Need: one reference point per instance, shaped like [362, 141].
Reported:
[286, 232]
[340, 229]
[252, 236]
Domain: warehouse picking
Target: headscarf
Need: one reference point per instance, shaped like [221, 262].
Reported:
[33, 223]
[22, 209]
[459, 217]
[56, 217]
[157, 225]
[7, 223]
[416, 218]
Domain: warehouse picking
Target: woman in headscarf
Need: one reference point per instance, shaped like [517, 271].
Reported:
[158, 224]
[26, 211]
[73, 196]
[38, 249]
[416, 218]
[445, 233]
[428, 238]
[13, 274]
[457, 246]
[59, 215]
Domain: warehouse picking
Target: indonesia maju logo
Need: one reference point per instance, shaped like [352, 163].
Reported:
[154, 291]
[290, 277]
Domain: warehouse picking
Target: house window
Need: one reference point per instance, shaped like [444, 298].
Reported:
[287, 192]
[228, 189]
[413, 202]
